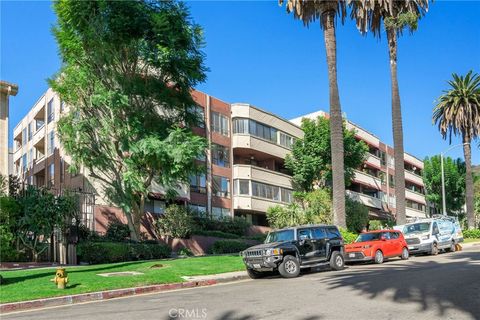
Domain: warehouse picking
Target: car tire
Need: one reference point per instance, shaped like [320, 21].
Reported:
[255, 274]
[290, 267]
[378, 259]
[337, 262]
[453, 247]
[405, 254]
[434, 251]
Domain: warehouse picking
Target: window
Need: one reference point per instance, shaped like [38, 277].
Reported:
[51, 143]
[199, 210]
[286, 140]
[199, 113]
[220, 123]
[24, 136]
[159, 207]
[319, 233]
[198, 183]
[286, 195]
[30, 156]
[241, 126]
[241, 187]
[24, 162]
[221, 186]
[333, 232]
[219, 212]
[51, 175]
[201, 156]
[246, 126]
[62, 170]
[394, 235]
[39, 124]
[304, 234]
[30, 131]
[50, 111]
[220, 155]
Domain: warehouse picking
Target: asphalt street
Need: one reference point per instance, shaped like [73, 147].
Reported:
[446, 286]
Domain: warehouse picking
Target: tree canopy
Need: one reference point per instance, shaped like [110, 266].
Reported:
[454, 182]
[127, 74]
[310, 160]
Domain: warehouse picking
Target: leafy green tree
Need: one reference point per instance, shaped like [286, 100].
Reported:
[177, 222]
[454, 182]
[458, 113]
[9, 212]
[127, 73]
[310, 160]
[3, 185]
[357, 215]
[396, 17]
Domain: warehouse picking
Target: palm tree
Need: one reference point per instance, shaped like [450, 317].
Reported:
[396, 15]
[458, 112]
[326, 11]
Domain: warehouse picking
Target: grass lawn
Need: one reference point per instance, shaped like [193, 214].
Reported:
[34, 284]
[471, 240]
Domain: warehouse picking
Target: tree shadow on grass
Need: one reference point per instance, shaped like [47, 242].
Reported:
[432, 285]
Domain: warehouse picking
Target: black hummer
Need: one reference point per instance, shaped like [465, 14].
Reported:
[290, 249]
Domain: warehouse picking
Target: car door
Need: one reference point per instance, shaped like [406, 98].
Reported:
[320, 242]
[396, 243]
[305, 245]
[387, 245]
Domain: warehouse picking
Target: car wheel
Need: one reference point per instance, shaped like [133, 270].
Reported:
[452, 247]
[255, 274]
[337, 262]
[405, 254]
[290, 267]
[434, 251]
[378, 257]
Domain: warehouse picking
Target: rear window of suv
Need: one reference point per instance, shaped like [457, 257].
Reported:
[333, 232]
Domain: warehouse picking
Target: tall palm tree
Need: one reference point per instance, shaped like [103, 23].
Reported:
[458, 112]
[396, 15]
[326, 11]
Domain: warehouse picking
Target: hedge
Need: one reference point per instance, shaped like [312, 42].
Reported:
[228, 246]
[348, 237]
[216, 233]
[471, 234]
[108, 252]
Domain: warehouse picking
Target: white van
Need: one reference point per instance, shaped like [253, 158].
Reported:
[431, 235]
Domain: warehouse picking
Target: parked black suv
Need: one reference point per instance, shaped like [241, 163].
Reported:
[290, 249]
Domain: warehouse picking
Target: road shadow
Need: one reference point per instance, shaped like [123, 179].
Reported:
[431, 284]
[236, 315]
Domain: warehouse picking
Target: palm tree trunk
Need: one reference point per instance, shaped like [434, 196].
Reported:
[336, 123]
[397, 130]
[468, 182]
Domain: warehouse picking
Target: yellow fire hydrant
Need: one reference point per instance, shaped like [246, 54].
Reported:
[61, 278]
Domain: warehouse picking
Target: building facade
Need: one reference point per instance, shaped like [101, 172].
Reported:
[244, 164]
[373, 184]
[6, 90]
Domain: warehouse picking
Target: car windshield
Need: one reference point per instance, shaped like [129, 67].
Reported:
[417, 227]
[368, 237]
[284, 235]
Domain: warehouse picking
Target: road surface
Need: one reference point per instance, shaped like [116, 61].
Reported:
[446, 286]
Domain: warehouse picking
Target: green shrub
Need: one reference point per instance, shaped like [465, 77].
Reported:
[117, 231]
[185, 252]
[375, 225]
[237, 225]
[258, 237]
[348, 237]
[177, 222]
[215, 233]
[228, 246]
[471, 234]
[356, 215]
[108, 252]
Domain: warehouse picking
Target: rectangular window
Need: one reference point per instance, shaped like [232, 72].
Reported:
[30, 156]
[286, 140]
[265, 191]
[50, 111]
[219, 212]
[260, 130]
[198, 183]
[24, 136]
[199, 113]
[286, 195]
[24, 162]
[39, 124]
[219, 123]
[51, 175]
[220, 186]
[241, 126]
[241, 187]
[30, 131]
[159, 207]
[220, 155]
[51, 143]
[198, 210]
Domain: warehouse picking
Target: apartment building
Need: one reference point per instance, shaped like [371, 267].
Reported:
[6, 90]
[373, 184]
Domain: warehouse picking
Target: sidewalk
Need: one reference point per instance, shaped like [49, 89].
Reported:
[191, 282]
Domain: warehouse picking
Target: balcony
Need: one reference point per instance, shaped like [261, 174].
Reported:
[410, 176]
[366, 179]
[415, 196]
[246, 202]
[413, 213]
[373, 160]
[365, 199]
[246, 141]
[249, 172]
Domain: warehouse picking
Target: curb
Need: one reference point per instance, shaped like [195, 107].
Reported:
[109, 294]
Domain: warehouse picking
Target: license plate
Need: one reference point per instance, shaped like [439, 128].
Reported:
[411, 248]
[351, 255]
[256, 265]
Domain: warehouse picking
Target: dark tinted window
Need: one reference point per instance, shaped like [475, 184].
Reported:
[394, 235]
[303, 234]
[386, 235]
[319, 233]
[368, 237]
[285, 235]
[333, 232]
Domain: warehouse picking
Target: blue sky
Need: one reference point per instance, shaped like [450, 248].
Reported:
[258, 54]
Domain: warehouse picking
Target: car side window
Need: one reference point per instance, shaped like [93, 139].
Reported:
[435, 228]
[319, 233]
[333, 233]
[394, 235]
[304, 234]
[386, 235]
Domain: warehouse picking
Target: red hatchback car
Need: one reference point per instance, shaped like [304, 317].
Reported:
[377, 246]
